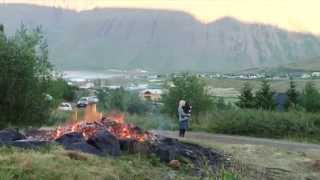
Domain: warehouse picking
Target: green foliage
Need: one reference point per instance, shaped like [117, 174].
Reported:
[58, 117]
[220, 104]
[271, 124]
[264, 97]
[311, 98]
[246, 99]
[293, 95]
[60, 90]
[121, 100]
[1, 28]
[190, 88]
[25, 75]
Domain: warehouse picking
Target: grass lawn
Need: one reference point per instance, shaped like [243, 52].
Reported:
[55, 163]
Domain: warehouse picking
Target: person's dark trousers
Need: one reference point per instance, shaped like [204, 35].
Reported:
[182, 132]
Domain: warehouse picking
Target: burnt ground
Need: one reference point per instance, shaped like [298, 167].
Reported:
[274, 159]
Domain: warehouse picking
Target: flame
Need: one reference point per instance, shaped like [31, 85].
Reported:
[93, 121]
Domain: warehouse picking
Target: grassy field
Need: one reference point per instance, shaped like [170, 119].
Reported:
[55, 163]
[279, 86]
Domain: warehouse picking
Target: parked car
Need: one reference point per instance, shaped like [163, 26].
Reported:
[93, 99]
[83, 102]
[65, 107]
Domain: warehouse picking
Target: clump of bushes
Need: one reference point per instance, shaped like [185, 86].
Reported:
[122, 100]
[260, 123]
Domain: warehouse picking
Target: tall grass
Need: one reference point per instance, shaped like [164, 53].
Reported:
[258, 123]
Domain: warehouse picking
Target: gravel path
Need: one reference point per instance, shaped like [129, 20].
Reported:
[227, 139]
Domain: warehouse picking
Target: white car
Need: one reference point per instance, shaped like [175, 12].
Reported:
[83, 102]
[93, 99]
[65, 107]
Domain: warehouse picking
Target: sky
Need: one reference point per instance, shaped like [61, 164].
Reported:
[292, 15]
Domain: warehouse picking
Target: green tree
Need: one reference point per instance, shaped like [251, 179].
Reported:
[264, 97]
[60, 90]
[311, 98]
[190, 88]
[24, 77]
[246, 98]
[121, 100]
[293, 94]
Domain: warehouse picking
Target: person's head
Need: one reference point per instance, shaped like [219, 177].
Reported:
[182, 103]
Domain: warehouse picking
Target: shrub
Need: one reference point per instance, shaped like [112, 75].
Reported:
[311, 98]
[122, 100]
[25, 74]
[260, 123]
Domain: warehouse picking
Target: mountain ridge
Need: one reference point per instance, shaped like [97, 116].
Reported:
[158, 40]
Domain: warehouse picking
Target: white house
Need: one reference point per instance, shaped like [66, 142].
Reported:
[315, 74]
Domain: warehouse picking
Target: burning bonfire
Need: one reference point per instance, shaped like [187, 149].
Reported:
[110, 135]
[94, 121]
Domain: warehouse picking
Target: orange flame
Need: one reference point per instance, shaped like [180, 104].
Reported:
[93, 121]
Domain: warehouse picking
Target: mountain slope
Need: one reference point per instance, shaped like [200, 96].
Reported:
[158, 40]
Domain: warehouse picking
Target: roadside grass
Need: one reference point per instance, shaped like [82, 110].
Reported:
[294, 125]
[55, 163]
[261, 162]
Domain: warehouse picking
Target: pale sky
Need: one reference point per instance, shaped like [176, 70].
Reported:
[292, 15]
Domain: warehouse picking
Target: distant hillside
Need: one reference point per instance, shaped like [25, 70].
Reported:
[307, 65]
[158, 40]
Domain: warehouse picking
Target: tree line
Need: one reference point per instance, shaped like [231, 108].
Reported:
[264, 98]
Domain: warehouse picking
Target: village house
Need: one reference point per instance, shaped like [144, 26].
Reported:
[151, 94]
[315, 74]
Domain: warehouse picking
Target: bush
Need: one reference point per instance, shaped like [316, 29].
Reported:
[122, 100]
[259, 123]
[311, 98]
[25, 74]
[58, 117]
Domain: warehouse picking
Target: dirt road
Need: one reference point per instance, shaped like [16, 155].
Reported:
[227, 139]
[270, 159]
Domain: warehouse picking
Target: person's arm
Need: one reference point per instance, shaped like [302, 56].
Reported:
[183, 114]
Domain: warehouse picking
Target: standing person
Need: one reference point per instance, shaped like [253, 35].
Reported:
[184, 115]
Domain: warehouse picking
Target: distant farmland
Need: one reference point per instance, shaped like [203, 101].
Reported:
[277, 85]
